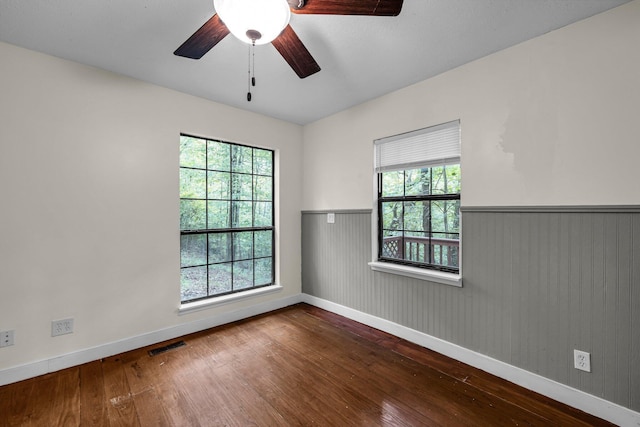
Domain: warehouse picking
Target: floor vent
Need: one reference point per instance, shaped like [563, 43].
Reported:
[168, 347]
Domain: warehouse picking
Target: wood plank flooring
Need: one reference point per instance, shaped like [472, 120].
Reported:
[299, 366]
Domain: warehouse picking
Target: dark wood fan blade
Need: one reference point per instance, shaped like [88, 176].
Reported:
[347, 7]
[295, 53]
[204, 39]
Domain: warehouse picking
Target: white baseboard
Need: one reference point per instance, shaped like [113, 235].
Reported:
[34, 369]
[578, 399]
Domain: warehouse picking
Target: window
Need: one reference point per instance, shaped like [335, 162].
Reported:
[226, 218]
[418, 198]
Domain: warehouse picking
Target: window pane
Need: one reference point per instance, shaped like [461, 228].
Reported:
[241, 159]
[192, 152]
[445, 236]
[192, 215]
[219, 247]
[193, 250]
[393, 184]
[262, 162]
[243, 245]
[218, 185]
[192, 184]
[417, 182]
[263, 188]
[417, 249]
[219, 214]
[446, 218]
[263, 214]
[241, 187]
[264, 271]
[453, 179]
[218, 156]
[241, 215]
[440, 180]
[392, 215]
[416, 216]
[263, 244]
[193, 283]
[392, 244]
[242, 274]
[219, 278]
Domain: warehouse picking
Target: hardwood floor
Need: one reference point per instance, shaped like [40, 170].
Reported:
[296, 366]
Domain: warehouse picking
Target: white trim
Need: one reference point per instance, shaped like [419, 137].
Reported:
[578, 399]
[34, 369]
[451, 279]
[226, 299]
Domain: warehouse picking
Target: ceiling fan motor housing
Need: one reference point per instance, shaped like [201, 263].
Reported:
[254, 35]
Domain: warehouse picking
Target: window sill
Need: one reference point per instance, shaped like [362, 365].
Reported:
[226, 299]
[451, 279]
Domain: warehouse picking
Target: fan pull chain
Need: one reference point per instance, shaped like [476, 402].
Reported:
[253, 64]
[251, 71]
[249, 76]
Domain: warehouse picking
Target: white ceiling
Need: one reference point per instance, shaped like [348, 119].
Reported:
[361, 57]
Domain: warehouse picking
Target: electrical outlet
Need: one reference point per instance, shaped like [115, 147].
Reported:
[61, 327]
[582, 360]
[6, 338]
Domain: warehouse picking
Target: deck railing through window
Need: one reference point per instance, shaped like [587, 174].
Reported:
[438, 251]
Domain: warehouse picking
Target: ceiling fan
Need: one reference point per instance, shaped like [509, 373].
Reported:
[231, 17]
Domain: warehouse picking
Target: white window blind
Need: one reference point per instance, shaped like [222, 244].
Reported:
[428, 147]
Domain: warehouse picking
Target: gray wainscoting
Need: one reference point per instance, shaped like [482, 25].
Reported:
[537, 283]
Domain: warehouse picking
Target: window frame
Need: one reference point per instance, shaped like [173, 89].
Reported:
[427, 272]
[230, 230]
[414, 198]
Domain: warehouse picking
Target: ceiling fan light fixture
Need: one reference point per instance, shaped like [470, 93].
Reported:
[254, 21]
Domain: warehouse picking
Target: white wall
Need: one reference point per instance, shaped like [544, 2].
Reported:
[552, 121]
[90, 213]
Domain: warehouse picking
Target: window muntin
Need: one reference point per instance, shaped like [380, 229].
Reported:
[226, 218]
[418, 198]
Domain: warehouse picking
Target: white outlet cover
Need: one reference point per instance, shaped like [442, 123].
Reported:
[6, 338]
[61, 327]
[331, 218]
[582, 360]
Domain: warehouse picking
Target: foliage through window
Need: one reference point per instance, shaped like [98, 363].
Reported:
[419, 198]
[226, 218]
